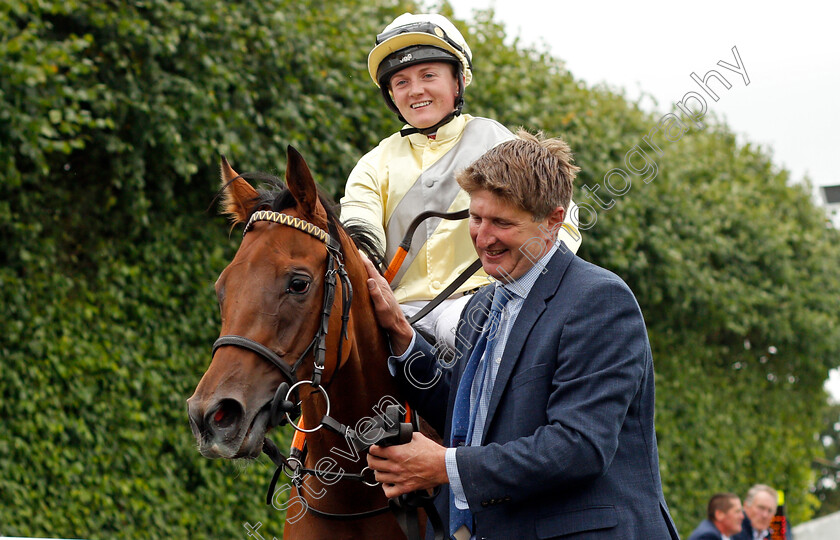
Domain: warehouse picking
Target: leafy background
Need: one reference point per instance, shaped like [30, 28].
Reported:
[112, 119]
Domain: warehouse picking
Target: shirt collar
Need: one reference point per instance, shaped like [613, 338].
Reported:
[522, 286]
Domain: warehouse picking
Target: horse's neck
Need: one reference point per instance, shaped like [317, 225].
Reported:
[356, 392]
[362, 385]
[354, 395]
[360, 389]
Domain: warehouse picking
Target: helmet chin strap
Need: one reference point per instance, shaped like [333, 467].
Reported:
[431, 129]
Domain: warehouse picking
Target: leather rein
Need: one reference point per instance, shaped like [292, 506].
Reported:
[318, 345]
[388, 429]
[281, 405]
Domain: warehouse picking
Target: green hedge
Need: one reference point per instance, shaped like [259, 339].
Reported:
[96, 443]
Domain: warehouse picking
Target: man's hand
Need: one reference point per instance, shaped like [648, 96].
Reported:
[387, 310]
[420, 464]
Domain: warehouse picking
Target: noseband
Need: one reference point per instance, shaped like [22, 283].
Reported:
[318, 345]
[404, 507]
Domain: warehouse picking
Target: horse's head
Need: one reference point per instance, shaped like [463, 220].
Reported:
[272, 294]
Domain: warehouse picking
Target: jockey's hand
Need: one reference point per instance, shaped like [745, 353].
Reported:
[403, 468]
[388, 312]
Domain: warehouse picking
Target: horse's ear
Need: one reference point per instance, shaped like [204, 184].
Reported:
[302, 186]
[238, 195]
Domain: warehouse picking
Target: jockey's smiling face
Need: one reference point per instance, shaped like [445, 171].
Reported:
[425, 93]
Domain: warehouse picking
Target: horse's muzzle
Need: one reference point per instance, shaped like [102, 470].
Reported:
[220, 429]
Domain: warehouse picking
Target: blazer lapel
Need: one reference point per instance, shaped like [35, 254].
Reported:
[545, 287]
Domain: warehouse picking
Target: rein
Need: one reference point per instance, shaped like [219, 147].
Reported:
[319, 341]
[391, 430]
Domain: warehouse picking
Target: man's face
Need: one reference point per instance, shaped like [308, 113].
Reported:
[729, 522]
[425, 93]
[761, 510]
[507, 239]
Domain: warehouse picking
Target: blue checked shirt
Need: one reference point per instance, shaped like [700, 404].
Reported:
[517, 290]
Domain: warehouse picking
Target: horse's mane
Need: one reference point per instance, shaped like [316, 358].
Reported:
[274, 194]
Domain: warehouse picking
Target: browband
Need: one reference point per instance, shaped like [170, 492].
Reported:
[290, 221]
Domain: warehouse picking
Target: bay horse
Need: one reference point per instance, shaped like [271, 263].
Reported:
[272, 294]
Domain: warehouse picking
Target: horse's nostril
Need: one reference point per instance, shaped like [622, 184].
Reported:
[227, 414]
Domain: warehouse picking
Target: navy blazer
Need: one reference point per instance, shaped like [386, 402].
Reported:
[746, 530]
[706, 531]
[569, 448]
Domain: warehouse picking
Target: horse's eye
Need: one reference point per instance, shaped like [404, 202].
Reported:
[298, 286]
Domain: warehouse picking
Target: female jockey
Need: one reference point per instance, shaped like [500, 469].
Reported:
[422, 64]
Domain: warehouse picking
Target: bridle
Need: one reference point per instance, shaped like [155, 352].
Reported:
[318, 345]
[281, 405]
[403, 507]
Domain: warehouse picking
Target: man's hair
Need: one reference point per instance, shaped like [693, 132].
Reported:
[720, 502]
[758, 488]
[532, 172]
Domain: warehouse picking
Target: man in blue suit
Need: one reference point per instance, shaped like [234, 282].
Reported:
[723, 518]
[760, 505]
[547, 409]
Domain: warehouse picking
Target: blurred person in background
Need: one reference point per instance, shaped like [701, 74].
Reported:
[723, 518]
[759, 509]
